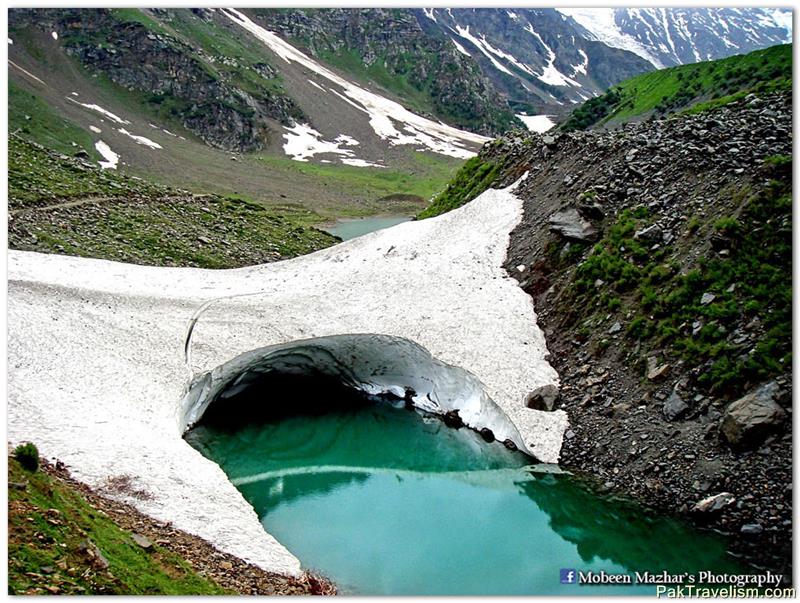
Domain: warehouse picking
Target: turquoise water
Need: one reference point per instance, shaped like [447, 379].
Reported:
[385, 501]
[350, 229]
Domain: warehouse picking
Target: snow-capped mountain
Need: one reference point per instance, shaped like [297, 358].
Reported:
[675, 36]
[536, 57]
[563, 56]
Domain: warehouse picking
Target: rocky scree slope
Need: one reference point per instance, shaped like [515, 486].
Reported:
[180, 79]
[658, 257]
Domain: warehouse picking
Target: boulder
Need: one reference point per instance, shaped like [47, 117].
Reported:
[655, 371]
[748, 421]
[674, 407]
[453, 419]
[715, 503]
[651, 234]
[142, 540]
[543, 398]
[572, 225]
[751, 529]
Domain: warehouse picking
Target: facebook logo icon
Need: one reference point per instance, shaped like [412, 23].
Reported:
[568, 576]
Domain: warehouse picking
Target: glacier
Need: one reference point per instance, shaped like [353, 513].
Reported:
[101, 377]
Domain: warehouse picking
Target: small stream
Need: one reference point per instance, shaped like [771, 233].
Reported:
[389, 501]
[350, 228]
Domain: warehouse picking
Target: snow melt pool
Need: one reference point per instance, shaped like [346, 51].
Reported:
[389, 501]
[347, 229]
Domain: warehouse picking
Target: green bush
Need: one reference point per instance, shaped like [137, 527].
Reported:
[27, 455]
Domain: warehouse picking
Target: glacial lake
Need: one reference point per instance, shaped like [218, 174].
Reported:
[350, 228]
[387, 501]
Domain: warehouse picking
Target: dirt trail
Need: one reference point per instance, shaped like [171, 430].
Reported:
[63, 204]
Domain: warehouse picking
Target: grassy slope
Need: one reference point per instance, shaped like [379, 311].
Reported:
[32, 118]
[471, 180]
[711, 83]
[662, 295]
[37, 177]
[47, 525]
[135, 221]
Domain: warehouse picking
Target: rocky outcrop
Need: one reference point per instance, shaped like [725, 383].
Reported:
[748, 421]
[180, 79]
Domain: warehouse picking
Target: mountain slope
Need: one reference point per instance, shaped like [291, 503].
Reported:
[336, 162]
[698, 85]
[388, 47]
[675, 36]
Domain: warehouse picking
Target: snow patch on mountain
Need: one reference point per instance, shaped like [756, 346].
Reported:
[303, 142]
[601, 24]
[482, 46]
[551, 75]
[101, 111]
[536, 123]
[361, 163]
[142, 140]
[582, 66]
[674, 36]
[460, 48]
[383, 113]
[111, 159]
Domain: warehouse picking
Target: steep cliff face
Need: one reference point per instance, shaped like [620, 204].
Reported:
[390, 47]
[136, 52]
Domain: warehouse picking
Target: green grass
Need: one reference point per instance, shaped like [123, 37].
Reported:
[48, 522]
[135, 221]
[662, 297]
[471, 180]
[38, 177]
[135, 15]
[349, 61]
[206, 233]
[700, 86]
[31, 118]
[425, 176]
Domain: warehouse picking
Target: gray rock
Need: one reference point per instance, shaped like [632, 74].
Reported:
[715, 503]
[707, 298]
[543, 398]
[748, 421]
[674, 407]
[571, 225]
[751, 529]
[656, 372]
[651, 234]
[615, 328]
[142, 540]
